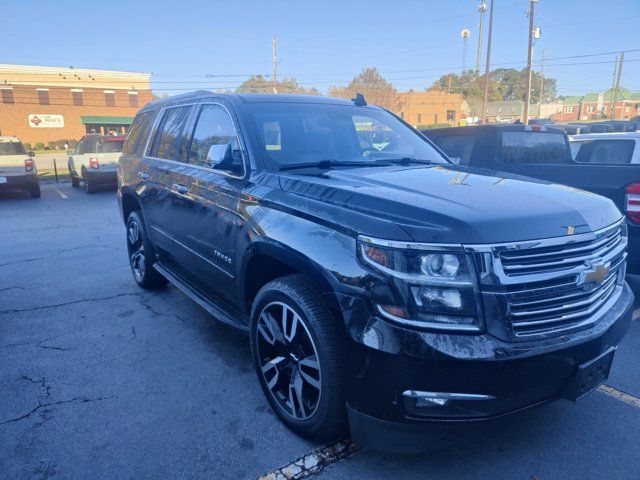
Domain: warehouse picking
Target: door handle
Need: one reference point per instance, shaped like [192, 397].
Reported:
[143, 175]
[180, 188]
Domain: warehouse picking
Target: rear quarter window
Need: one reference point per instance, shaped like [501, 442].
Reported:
[534, 148]
[603, 152]
[139, 133]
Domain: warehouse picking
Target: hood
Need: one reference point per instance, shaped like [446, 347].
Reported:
[454, 204]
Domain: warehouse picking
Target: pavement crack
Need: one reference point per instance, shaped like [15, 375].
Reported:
[50, 404]
[64, 304]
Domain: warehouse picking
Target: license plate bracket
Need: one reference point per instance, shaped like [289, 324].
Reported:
[590, 375]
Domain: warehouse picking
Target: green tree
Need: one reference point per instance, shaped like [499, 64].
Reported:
[261, 84]
[376, 90]
[470, 86]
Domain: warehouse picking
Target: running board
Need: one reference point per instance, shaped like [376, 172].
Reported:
[193, 294]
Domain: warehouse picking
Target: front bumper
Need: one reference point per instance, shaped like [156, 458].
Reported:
[500, 377]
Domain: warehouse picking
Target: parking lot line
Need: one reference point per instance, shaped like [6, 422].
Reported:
[313, 462]
[60, 192]
[620, 395]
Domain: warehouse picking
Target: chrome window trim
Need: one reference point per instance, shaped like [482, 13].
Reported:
[191, 165]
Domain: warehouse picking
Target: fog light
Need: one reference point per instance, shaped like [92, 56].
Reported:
[444, 296]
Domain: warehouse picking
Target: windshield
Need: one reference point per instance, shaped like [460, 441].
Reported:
[110, 145]
[12, 148]
[309, 133]
[534, 147]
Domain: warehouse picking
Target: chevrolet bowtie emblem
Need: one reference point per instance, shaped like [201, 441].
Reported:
[597, 274]
[571, 230]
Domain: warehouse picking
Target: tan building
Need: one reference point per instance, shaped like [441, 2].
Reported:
[48, 104]
[432, 107]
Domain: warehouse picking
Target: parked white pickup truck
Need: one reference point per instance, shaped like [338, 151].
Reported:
[17, 168]
[95, 160]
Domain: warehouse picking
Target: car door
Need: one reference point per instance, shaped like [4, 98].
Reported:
[205, 207]
[165, 153]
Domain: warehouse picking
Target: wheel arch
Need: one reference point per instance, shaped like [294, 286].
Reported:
[266, 261]
[130, 203]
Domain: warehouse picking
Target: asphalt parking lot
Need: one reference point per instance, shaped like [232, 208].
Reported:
[99, 379]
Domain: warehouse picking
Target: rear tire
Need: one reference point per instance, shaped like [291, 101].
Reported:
[142, 254]
[299, 353]
[35, 191]
[75, 182]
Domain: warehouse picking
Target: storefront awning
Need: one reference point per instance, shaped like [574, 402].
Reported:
[98, 120]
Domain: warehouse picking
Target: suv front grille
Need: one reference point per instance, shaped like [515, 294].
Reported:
[554, 310]
[551, 286]
[558, 257]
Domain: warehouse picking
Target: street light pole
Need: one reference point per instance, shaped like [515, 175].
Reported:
[485, 96]
[527, 98]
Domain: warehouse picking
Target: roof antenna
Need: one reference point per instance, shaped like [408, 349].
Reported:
[359, 100]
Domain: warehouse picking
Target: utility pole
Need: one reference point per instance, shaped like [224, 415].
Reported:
[613, 84]
[275, 63]
[542, 78]
[615, 91]
[485, 96]
[527, 98]
[481, 8]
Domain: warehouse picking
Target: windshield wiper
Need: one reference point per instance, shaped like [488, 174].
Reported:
[327, 163]
[406, 161]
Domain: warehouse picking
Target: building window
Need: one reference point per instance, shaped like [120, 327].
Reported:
[43, 96]
[590, 108]
[133, 99]
[451, 115]
[110, 98]
[435, 118]
[7, 95]
[402, 115]
[419, 118]
[76, 96]
[626, 108]
[568, 109]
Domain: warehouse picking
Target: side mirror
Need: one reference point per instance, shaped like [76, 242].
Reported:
[31, 153]
[219, 156]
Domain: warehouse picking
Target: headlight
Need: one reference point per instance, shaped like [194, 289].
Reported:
[437, 282]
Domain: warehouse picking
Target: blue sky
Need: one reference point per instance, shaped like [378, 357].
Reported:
[320, 43]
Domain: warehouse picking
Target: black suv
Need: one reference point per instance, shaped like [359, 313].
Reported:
[379, 283]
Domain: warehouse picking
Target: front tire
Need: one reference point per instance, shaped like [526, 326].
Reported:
[299, 356]
[75, 182]
[141, 254]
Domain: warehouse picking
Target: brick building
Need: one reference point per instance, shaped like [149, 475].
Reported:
[431, 107]
[47, 104]
[594, 106]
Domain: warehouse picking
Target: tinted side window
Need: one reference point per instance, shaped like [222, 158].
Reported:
[534, 148]
[138, 134]
[605, 152]
[458, 148]
[86, 146]
[215, 127]
[171, 143]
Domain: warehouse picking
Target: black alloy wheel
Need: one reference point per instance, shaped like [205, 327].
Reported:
[141, 254]
[299, 352]
[289, 361]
